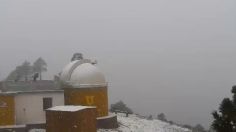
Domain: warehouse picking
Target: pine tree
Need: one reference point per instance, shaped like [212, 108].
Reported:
[162, 117]
[199, 128]
[12, 76]
[225, 119]
[120, 106]
[25, 69]
[150, 117]
[40, 66]
[22, 71]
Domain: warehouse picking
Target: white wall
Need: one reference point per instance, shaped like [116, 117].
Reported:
[29, 106]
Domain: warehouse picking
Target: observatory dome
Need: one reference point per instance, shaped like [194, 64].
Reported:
[82, 73]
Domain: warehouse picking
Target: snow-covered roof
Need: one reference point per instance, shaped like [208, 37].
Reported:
[82, 73]
[69, 108]
[12, 126]
[30, 92]
[40, 85]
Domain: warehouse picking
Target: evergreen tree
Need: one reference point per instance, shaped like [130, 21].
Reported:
[12, 76]
[150, 117]
[162, 117]
[24, 70]
[20, 72]
[188, 126]
[234, 95]
[120, 106]
[40, 66]
[199, 128]
[225, 119]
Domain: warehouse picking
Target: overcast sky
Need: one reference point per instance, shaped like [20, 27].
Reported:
[171, 56]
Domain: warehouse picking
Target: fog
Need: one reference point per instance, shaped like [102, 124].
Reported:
[170, 56]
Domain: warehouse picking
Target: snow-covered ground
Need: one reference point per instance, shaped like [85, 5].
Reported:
[133, 123]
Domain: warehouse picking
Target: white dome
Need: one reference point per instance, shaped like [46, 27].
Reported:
[87, 74]
[66, 72]
[82, 73]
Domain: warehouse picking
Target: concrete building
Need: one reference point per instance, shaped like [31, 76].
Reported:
[25, 103]
[17, 108]
[71, 119]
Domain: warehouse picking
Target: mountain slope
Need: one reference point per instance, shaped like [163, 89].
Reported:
[133, 123]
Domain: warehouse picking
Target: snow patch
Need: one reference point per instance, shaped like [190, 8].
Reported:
[37, 130]
[135, 124]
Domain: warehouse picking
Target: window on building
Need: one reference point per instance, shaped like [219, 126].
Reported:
[47, 103]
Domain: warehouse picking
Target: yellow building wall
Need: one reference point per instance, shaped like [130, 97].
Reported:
[7, 110]
[88, 97]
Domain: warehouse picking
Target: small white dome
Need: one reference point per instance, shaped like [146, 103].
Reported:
[81, 73]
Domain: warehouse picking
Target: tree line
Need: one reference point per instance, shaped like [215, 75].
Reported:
[26, 71]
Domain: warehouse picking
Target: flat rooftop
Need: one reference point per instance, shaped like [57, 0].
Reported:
[30, 92]
[69, 108]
